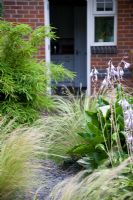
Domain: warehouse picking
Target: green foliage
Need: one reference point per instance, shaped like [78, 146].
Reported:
[103, 136]
[79, 133]
[92, 137]
[59, 73]
[23, 79]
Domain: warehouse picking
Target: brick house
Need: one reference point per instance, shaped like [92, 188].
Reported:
[90, 31]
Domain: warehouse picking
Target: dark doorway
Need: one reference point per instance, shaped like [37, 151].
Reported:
[70, 49]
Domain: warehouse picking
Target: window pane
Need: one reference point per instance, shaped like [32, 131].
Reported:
[104, 5]
[1, 8]
[100, 1]
[104, 29]
[108, 7]
[108, 1]
[100, 6]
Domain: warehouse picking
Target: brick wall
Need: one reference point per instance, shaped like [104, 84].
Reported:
[25, 11]
[124, 36]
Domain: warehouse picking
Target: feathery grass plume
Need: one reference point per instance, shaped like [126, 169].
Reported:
[61, 128]
[18, 151]
[103, 184]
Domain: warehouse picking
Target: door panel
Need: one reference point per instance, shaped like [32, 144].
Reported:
[80, 56]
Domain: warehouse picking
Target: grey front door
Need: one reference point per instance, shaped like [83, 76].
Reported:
[80, 46]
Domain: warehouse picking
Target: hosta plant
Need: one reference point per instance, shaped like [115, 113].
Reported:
[109, 129]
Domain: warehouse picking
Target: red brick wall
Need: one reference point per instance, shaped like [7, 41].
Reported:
[124, 35]
[25, 11]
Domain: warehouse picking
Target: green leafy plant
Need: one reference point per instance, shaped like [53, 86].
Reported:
[93, 146]
[103, 135]
[24, 79]
[109, 132]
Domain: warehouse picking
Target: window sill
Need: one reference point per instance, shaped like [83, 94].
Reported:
[103, 49]
[103, 72]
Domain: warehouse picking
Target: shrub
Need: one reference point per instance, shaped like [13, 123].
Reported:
[23, 79]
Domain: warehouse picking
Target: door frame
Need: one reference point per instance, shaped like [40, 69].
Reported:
[47, 23]
[88, 48]
[47, 43]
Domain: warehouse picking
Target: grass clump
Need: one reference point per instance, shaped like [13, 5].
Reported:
[18, 155]
[105, 184]
[60, 129]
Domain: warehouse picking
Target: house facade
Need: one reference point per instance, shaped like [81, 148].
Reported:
[90, 32]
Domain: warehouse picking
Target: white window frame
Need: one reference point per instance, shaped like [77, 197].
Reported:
[94, 13]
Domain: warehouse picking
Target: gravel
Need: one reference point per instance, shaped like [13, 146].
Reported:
[51, 174]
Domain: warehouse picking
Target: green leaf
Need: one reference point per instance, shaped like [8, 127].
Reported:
[92, 117]
[93, 129]
[101, 147]
[119, 116]
[80, 149]
[102, 102]
[114, 136]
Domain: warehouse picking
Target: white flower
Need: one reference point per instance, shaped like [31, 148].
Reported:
[126, 64]
[129, 112]
[108, 71]
[124, 104]
[130, 139]
[128, 116]
[121, 72]
[109, 63]
[93, 74]
[104, 82]
[95, 77]
[95, 71]
[104, 109]
[129, 124]
[112, 66]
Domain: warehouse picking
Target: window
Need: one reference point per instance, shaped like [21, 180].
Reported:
[104, 5]
[1, 8]
[104, 22]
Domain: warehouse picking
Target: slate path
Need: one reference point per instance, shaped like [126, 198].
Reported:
[51, 174]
